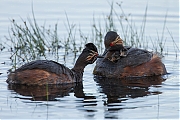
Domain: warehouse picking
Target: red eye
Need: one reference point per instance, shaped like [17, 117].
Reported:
[111, 44]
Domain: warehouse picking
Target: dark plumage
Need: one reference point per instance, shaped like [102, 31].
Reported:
[136, 63]
[41, 72]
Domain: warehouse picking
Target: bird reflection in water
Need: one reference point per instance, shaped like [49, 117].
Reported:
[113, 88]
[45, 92]
[116, 91]
[129, 87]
[54, 92]
[120, 90]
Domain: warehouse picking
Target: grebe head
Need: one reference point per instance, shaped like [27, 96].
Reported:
[89, 54]
[112, 39]
[92, 53]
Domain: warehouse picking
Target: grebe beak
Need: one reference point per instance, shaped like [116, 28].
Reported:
[100, 56]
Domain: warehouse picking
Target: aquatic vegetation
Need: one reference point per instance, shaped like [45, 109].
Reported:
[131, 34]
[30, 41]
[2, 47]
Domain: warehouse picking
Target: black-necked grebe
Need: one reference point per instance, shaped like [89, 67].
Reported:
[135, 63]
[41, 72]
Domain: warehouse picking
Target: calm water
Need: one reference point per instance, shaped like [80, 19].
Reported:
[95, 98]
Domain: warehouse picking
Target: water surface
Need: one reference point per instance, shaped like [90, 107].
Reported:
[96, 98]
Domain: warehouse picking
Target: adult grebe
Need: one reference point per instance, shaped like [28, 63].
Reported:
[136, 63]
[42, 72]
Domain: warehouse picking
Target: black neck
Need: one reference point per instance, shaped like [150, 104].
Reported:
[78, 69]
[80, 62]
[79, 66]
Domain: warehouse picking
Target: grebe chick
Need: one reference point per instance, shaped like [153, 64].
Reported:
[137, 63]
[42, 72]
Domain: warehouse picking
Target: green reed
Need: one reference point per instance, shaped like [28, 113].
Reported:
[124, 25]
[121, 23]
[132, 34]
[29, 41]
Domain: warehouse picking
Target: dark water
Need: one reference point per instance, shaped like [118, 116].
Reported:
[96, 98]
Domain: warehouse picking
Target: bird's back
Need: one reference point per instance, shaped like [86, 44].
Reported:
[41, 72]
[135, 57]
[47, 65]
